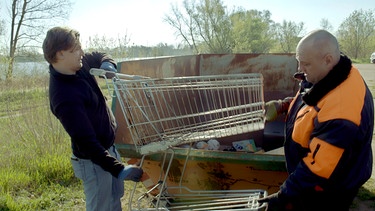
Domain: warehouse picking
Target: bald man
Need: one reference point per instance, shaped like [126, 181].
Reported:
[328, 130]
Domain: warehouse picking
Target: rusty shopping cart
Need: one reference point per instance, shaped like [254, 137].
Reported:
[162, 113]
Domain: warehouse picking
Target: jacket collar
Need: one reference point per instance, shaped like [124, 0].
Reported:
[56, 74]
[335, 77]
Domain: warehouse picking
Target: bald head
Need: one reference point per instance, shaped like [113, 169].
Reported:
[317, 53]
[321, 42]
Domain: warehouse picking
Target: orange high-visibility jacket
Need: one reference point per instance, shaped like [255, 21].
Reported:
[329, 130]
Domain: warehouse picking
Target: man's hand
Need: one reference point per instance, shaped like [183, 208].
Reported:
[272, 109]
[277, 203]
[108, 66]
[131, 172]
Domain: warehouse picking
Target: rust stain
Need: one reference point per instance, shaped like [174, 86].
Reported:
[175, 173]
[202, 165]
[219, 178]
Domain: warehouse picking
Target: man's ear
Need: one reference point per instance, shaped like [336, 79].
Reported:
[60, 55]
[328, 60]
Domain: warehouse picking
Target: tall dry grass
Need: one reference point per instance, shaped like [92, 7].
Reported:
[35, 170]
[35, 150]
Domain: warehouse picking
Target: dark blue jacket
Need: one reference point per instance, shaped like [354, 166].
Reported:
[329, 130]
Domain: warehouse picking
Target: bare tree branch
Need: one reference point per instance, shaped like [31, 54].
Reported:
[204, 26]
[29, 20]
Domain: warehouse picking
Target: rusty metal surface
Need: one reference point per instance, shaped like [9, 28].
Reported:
[277, 69]
[162, 67]
[221, 171]
[203, 175]
[214, 170]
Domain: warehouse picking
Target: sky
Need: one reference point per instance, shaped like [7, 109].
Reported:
[142, 20]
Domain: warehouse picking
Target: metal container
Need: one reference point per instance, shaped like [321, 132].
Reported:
[217, 169]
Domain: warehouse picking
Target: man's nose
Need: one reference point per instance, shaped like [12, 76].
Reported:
[300, 68]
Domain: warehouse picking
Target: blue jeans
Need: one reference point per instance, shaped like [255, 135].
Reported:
[103, 192]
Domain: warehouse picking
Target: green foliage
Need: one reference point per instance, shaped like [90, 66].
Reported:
[252, 31]
[204, 27]
[288, 35]
[356, 34]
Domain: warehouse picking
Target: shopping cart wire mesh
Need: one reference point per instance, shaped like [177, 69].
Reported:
[161, 113]
[166, 112]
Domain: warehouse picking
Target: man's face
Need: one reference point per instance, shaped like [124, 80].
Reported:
[312, 63]
[73, 58]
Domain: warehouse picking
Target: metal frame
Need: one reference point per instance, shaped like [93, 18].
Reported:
[163, 113]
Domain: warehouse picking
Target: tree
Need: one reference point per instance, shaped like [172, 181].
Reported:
[183, 24]
[204, 26]
[288, 35]
[2, 32]
[114, 46]
[326, 25]
[252, 31]
[356, 32]
[29, 20]
[2, 48]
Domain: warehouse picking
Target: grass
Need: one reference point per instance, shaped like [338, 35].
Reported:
[35, 169]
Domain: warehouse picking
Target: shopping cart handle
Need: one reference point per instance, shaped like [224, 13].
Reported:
[97, 72]
[131, 77]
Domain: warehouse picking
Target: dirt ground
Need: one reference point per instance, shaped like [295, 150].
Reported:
[368, 73]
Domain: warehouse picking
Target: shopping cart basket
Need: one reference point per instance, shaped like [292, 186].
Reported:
[165, 112]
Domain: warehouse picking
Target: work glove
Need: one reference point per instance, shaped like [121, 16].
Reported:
[131, 172]
[277, 202]
[108, 66]
[274, 108]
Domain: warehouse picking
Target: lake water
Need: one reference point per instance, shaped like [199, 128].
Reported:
[34, 68]
[25, 69]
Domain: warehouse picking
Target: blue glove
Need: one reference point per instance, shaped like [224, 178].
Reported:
[108, 66]
[131, 172]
